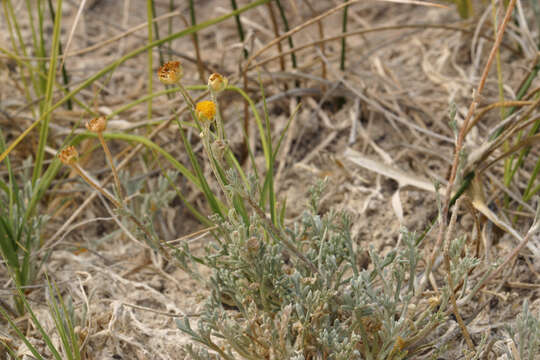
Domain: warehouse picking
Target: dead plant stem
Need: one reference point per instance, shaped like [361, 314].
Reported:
[461, 138]
[95, 185]
[113, 168]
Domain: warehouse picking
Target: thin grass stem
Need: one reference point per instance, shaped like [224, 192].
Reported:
[276, 32]
[239, 27]
[156, 32]
[111, 162]
[289, 38]
[150, 67]
[65, 76]
[195, 38]
[47, 103]
[9, 16]
[343, 39]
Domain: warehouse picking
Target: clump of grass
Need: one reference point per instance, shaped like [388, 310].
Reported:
[69, 323]
[20, 229]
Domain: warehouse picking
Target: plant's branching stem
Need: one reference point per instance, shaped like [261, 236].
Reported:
[279, 235]
[455, 309]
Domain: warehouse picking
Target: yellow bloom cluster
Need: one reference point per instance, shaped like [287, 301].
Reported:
[205, 110]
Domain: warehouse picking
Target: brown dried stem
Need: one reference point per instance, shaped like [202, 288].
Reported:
[113, 168]
[461, 138]
[95, 185]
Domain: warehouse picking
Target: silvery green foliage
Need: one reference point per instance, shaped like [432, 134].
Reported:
[266, 303]
[147, 205]
[525, 333]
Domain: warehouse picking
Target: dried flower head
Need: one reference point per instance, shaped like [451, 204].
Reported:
[97, 125]
[170, 72]
[434, 301]
[69, 155]
[205, 110]
[400, 343]
[219, 147]
[217, 82]
[253, 245]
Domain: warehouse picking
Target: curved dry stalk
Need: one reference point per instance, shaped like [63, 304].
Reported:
[460, 142]
[362, 32]
[500, 104]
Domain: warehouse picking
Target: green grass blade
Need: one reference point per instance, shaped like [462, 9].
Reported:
[195, 36]
[12, 24]
[214, 203]
[286, 26]
[156, 32]
[268, 187]
[62, 318]
[9, 248]
[48, 95]
[65, 76]
[20, 334]
[40, 50]
[239, 26]
[262, 133]
[282, 135]
[150, 16]
[343, 40]
[37, 324]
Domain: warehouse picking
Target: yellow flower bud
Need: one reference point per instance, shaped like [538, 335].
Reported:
[217, 82]
[69, 155]
[205, 110]
[170, 73]
[97, 125]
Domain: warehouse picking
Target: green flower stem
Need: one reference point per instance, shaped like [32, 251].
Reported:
[205, 136]
[219, 119]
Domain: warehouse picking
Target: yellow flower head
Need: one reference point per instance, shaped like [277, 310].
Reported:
[97, 125]
[205, 110]
[69, 155]
[217, 82]
[170, 73]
